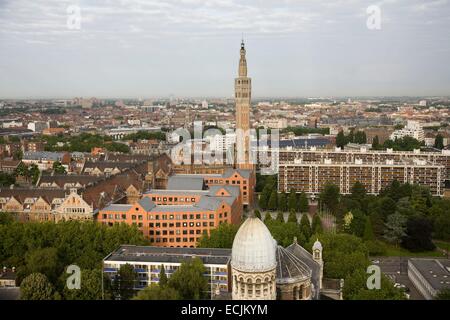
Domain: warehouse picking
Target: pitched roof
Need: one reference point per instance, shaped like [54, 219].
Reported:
[243, 172]
[21, 194]
[289, 267]
[146, 203]
[62, 179]
[185, 182]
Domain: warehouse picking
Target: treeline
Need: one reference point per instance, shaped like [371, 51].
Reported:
[145, 135]
[83, 143]
[402, 144]
[300, 131]
[41, 252]
[353, 137]
[270, 199]
[403, 215]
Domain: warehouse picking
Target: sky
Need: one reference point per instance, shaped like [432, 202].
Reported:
[190, 48]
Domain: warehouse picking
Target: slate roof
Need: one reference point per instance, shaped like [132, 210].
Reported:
[147, 203]
[229, 172]
[62, 179]
[289, 267]
[22, 194]
[43, 155]
[185, 182]
[118, 207]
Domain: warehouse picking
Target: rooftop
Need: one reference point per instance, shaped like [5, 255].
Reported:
[128, 253]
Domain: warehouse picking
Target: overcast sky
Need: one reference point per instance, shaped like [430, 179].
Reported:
[295, 48]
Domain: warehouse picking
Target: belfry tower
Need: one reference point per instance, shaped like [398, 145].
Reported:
[243, 93]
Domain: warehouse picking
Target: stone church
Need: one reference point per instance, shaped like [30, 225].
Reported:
[264, 270]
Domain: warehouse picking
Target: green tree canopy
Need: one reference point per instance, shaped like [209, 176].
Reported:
[157, 292]
[329, 197]
[189, 281]
[303, 205]
[36, 287]
[220, 237]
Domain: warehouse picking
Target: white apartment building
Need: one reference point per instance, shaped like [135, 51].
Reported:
[412, 129]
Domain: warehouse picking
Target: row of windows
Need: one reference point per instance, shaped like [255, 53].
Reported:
[177, 232]
[165, 240]
[204, 216]
[227, 182]
[173, 199]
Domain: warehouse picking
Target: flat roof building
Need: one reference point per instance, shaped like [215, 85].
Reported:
[429, 276]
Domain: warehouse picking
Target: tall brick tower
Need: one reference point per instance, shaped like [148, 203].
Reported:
[243, 93]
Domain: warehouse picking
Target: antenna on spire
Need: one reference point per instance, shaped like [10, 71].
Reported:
[242, 40]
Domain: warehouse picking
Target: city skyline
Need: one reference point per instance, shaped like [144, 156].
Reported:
[187, 48]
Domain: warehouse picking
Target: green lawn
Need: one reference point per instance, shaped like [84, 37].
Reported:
[442, 244]
[392, 251]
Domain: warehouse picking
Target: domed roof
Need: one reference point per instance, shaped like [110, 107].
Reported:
[317, 245]
[253, 247]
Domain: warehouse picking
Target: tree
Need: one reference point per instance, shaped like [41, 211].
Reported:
[342, 254]
[6, 179]
[356, 288]
[305, 226]
[303, 204]
[330, 197]
[292, 200]
[34, 173]
[284, 233]
[316, 227]
[341, 141]
[395, 228]
[280, 216]
[264, 199]
[376, 143]
[44, 261]
[36, 287]
[189, 281]
[58, 168]
[418, 235]
[258, 214]
[272, 204]
[220, 237]
[123, 285]
[22, 170]
[358, 223]
[282, 202]
[358, 191]
[292, 216]
[439, 141]
[368, 231]
[267, 218]
[157, 292]
[162, 276]
[91, 286]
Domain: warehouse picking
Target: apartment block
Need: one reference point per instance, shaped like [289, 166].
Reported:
[367, 156]
[312, 176]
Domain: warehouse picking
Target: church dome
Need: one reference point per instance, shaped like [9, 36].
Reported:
[253, 247]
